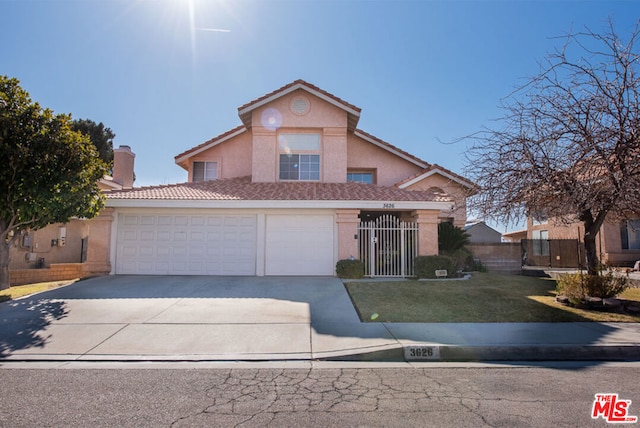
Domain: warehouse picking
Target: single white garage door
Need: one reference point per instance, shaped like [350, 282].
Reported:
[186, 244]
[299, 245]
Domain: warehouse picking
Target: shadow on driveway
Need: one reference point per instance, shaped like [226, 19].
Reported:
[22, 322]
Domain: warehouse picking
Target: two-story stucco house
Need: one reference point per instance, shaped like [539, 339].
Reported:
[283, 193]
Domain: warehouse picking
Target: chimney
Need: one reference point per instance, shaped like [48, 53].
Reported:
[123, 159]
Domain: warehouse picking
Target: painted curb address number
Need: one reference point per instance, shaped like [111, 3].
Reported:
[422, 353]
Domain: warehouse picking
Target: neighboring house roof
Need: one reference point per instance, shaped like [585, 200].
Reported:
[242, 188]
[353, 112]
[515, 235]
[437, 169]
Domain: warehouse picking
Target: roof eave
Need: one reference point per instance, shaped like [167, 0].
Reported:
[245, 113]
[212, 143]
[361, 134]
[442, 172]
[278, 204]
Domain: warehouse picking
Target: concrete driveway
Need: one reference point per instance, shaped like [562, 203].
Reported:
[188, 318]
[204, 318]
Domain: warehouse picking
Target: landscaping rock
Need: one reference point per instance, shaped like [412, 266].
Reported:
[563, 299]
[594, 302]
[611, 302]
[632, 309]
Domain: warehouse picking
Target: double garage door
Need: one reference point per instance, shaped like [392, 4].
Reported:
[212, 244]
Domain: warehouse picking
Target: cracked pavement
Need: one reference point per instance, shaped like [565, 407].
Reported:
[341, 396]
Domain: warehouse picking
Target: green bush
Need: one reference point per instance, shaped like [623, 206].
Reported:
[463, 260]
[351, 269]
[576, 287]
[426, 266]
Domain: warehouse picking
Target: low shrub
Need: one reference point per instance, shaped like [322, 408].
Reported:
[426, 266]
[350, 269]
[463, 260]
[577, 287]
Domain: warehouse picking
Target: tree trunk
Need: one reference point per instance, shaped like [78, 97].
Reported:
[592, 253]
[4, 264]
[591, 228]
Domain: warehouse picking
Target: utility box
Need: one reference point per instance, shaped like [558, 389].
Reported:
[62, 236]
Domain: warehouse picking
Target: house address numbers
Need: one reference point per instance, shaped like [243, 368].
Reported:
[388, 205]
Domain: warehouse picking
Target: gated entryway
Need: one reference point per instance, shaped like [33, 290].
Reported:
[388, 246]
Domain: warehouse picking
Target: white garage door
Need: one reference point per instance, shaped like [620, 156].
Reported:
[299, 245]
[186, 244]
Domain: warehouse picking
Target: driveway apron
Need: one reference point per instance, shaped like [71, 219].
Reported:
[187, 318]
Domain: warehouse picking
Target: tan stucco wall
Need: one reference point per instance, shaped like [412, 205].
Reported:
[41, 246]
[428, 231]
[322, 117]
[390, 169]
[453, 189]
[233, 157]
[347, 221]
[99, 248]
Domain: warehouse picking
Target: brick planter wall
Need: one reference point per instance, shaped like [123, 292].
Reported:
[56, 272]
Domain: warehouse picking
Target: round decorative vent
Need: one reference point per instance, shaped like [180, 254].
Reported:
[299, 105]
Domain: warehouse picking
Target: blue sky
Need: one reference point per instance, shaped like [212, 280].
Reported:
[424, 73]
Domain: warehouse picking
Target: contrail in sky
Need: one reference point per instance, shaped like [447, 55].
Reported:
[216, 30]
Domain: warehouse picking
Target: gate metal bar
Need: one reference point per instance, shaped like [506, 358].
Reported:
[388, 246]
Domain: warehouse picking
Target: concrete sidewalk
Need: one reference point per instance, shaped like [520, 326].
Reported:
[164, 318]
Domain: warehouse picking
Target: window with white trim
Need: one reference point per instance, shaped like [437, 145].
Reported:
[299, 156]
[205, 171]
[361, 176]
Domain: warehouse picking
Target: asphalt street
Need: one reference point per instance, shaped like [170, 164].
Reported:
[325, 394]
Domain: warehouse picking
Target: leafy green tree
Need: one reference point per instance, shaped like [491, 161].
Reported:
[49, 172]
[101, 137]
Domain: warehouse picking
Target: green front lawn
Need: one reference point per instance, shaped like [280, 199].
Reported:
[486, 297]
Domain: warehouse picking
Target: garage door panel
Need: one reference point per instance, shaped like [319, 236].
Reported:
[186, 245]
[300, 245]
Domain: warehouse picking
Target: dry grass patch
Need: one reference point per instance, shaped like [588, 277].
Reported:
[17, 291]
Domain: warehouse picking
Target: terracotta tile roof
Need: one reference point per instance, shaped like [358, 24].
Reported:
[243, 188]
[353, 115]
[211, 141]
[389, 147]
[436, 167]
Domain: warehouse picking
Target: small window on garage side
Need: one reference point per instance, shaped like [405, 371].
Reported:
[205, 171]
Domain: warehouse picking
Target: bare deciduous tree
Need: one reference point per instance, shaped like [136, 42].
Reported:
[569, 142]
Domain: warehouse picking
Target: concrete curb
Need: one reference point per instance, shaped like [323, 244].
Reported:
[459, 353]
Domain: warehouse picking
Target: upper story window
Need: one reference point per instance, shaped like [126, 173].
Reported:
[366, 177]
[205, 171]
[299, 156]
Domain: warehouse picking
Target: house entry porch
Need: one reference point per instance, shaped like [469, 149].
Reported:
[388, 246]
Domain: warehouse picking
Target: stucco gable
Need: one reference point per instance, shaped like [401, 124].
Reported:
[437, 170]
[182, 158]
[353, 113]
